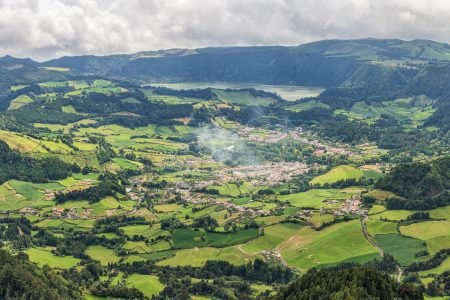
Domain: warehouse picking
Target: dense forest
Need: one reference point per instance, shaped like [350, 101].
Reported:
[21, 279]
[14, 165]
[423, 185]
[353, 283]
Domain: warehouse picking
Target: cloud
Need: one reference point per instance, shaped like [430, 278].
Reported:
[45, 29]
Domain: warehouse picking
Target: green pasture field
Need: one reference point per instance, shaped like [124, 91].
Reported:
[19, 102]
[66, 224]
[318, 220]
[149, 285]
[156, 256]
[170, 99]
[108, 235]
[314, 198]
[376, 209]
[339, 173]
[436, 234]
[79, 182]
[377, 227]
[141, 247]
[68, 109]
[270, 220]
[339, 242]
[441, 213]
[145, 230]
[101, 208]
[16, 194]
[273, 236]
[78, 84]
[426, 230]
[438, 243]
[142, 138]
[18, 142]
[392, 215]
[136, 247]
[102, 254]
[17, 87]
[399, 109]
[443, 267]
[126, 164]
[226, 124]
[43, 256]
[28, 144]
[64, 128]
[402, 248]
[164, 208]
[54, 84]
[83, 146]
[197, 257]
[260, 288]
[188, 238]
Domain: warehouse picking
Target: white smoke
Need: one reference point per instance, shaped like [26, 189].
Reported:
[224, 146]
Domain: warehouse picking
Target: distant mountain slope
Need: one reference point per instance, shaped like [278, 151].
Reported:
[17, 70]
[329, 63]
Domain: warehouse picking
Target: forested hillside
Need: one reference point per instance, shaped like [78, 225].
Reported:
[20, 279]
[424, 185]
[353, 283]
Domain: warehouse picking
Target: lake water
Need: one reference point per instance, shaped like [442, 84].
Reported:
[287, 92]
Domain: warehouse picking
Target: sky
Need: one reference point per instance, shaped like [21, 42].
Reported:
[45, 29]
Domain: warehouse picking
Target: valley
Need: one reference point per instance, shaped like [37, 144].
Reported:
[133, 190]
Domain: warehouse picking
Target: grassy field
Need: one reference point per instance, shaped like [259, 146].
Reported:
[402, 248]
[19, 102]
[375, 227]
[340, 242]
[436, 234]
[273, 236]
[376, 209]
[102, 254]
[426, 230]
[400, 109]
[339, 173]
[392, 215]
[188, 238]
[145, 230]
[21, 143]
[43, 256]
[197, 257]
[149, 285]
[16, 194]
[314, 198]
[318, 219]
[441, 213]
[445, 266]
[438, 243]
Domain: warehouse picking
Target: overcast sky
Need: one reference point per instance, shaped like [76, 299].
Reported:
[44, 29]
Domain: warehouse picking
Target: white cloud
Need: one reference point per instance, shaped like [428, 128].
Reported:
[49, 28]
